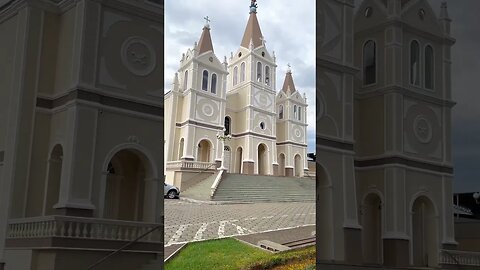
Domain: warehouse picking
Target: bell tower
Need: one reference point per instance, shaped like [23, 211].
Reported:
[403, 131]
[251, 101]
[195, 107]
[291, 109]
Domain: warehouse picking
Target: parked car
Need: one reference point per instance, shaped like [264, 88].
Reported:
[170, 191]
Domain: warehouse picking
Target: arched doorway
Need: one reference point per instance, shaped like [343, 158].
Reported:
[52, 188]
[298, 166]
[281, 164]
[204, 150]
[424, 233]
[371, 221]
[238, 166]
[262, 159]
[126, 195]
[324, 218]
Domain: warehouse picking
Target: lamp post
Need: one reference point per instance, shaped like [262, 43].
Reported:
[223, 137]
[476, 196]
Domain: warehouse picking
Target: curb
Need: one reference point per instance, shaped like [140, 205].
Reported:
[212, 202]
[174, 253]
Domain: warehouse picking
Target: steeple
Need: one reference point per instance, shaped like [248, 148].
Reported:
[252, 31]
[205, 42]
[288, 85]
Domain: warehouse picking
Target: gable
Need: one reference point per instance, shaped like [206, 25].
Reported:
[370, 14]
[420, 15]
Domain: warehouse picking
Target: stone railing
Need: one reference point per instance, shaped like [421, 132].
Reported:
[81, 228]
[215, 184]
[186, 164]
[456, 257]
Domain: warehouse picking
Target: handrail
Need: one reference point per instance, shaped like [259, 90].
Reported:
[312, 177]
[123, 247]
[214, 187]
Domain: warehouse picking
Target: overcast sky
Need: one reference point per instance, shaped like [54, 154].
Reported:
[465, 28]
[288, 28]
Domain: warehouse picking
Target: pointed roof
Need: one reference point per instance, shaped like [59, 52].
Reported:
[288, 85]
[205, 42]
[252, 32]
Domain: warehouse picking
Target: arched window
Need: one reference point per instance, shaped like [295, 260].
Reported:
[213, 87]
[369, 63]
[280, 112]
[259, 72]
[267, 75]
[205, 80]
[429, 67]
[235, 74]
[227, 125]
[295, 111]
[242, 72]
[414, 63]
[185, 80]
[299, 113]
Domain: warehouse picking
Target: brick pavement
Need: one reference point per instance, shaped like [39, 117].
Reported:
[189, 221]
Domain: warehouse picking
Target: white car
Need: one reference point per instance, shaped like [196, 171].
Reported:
[170, 191]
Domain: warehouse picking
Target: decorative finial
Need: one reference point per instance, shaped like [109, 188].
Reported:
[262, 39]
[253, 6]
[289, 70]
[207, 21]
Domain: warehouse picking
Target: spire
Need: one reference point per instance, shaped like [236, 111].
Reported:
[205, 42]
[288, 85]
[444, 18]
[252, 31]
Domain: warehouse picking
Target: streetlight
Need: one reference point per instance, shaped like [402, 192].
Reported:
[223, 137]
[476, 196]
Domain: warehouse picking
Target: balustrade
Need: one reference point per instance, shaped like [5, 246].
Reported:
[80, 228]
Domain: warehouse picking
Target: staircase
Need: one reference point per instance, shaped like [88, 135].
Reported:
[262, 188]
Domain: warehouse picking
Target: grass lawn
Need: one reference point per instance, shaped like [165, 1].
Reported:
[231, 254]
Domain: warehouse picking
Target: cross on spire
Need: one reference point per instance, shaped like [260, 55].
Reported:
[207, 20]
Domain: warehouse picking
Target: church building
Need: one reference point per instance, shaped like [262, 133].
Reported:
[229, 115]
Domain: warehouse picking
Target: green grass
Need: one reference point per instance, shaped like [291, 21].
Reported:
[231, 254]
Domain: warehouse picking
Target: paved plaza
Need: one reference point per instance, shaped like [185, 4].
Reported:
[190, 221]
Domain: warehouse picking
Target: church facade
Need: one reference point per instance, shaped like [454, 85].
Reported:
[228, 114]
[384, 176]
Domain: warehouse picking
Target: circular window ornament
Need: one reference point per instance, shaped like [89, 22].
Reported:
[368, 12]
[210, 59]
[208, 110]
[262, 125]
[422, 129]
[297, 133]
[240, 54]
[263, 54]
[421, 14]
[138, 56]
